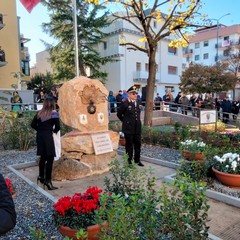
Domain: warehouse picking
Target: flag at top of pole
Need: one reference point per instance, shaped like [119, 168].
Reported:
[30, 4]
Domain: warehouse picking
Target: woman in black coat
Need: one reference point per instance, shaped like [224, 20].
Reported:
[7, 209]
[46, 122]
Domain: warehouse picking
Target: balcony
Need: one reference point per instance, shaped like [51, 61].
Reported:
[188, 51]
[226, 44]
[142, 77]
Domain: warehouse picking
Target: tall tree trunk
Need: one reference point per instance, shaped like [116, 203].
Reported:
[150, 87]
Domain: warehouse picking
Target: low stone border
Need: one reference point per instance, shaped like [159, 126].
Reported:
[213, 194]
[14, 168]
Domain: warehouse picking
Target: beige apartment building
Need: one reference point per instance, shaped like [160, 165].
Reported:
[14, 57]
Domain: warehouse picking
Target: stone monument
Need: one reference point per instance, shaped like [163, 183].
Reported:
[90, 146]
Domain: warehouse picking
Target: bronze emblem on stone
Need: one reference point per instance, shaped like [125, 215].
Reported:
[91, 108]
[91, 95]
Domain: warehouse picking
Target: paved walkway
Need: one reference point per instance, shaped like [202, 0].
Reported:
[224, 220]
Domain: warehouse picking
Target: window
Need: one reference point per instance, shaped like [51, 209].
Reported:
[104, 45]
[197, 45]
[197, 57]
[25, 68]
[226, 52]
[172, 50]
[146, 45]
[155, 24]
[188, 59]
[172, 70]
[205, 43]
[205, 56]
[138, 66]
[184, 65]
[226, 38]
[146, 67]
[169, 88]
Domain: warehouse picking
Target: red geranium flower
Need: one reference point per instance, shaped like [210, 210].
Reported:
[77, 211]
[10, 186]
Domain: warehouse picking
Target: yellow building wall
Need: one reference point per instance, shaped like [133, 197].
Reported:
[9, 41]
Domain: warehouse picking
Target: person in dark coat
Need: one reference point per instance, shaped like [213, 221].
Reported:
[235, 108]
[40, 97]
[119, 98]
[129, 114]
[226, 108]
[46, 122]
[157, 102]
[7, 209]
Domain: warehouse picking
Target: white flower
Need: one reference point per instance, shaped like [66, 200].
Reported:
[234, 165]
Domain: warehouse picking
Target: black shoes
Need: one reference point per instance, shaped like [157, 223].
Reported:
[49, 185]
[40, 179]
[140, 164]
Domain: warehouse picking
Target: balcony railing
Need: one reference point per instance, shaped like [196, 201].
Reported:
[142, 76]
[227, 43]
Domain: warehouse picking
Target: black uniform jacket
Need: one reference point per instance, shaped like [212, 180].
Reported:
[45, 129]
[7, 209]
[130, 117]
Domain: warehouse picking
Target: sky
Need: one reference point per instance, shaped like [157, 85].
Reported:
[30, 23]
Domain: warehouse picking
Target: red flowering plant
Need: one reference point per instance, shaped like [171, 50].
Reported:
[78, 211]
[10, 186]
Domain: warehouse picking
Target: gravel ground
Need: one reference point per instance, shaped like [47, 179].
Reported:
[34, 209]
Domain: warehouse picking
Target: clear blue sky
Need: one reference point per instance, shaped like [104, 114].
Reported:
[30, 24]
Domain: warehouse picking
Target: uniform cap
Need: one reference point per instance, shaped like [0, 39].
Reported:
[132, 89]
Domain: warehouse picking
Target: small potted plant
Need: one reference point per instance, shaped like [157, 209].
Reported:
[11, 187]
[193, 149]
[72, 214]
[227, 169]
[122, 139]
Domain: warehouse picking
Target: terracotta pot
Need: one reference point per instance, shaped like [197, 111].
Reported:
[190, 156]
[228, 179]
[122, 141]
[91, 230]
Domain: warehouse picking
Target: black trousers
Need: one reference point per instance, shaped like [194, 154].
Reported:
[45, 167]
[133, 142]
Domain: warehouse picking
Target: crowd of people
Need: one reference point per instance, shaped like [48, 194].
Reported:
[184, 104]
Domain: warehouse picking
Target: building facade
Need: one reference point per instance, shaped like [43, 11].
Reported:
[131, 66]
[14, 66]
[43, 64]
[208, 46]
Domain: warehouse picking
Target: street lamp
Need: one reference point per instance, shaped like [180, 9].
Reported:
[218, 30]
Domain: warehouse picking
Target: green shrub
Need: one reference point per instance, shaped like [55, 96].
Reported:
[138, 211]
[18, 134]
[184, 209]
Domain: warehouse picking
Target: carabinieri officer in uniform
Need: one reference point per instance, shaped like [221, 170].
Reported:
[129, 114]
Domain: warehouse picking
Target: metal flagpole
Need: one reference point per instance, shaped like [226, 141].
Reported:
[75, 36]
